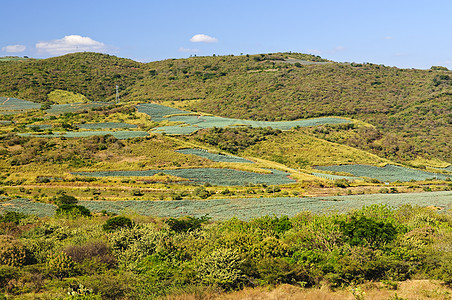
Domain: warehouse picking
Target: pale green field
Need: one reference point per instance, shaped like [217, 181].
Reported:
[245, 208]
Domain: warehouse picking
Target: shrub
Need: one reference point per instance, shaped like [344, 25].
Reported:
[12, 252]
[361, 230]
[202, 193]
[12, 216]
[98, 250]
[72, 210]
[118, 222]
[60, 265]
[6, 274]
[222, 268]
[65, 199]
[185, 224]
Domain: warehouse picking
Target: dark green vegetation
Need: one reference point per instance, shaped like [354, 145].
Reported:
[123, 257]
[409, 107]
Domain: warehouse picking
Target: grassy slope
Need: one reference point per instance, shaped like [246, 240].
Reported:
[298, 150]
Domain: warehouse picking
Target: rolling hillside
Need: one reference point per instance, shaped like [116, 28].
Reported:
[409, 109]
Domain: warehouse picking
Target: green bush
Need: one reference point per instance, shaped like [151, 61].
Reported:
[222, 268]
[361, 230]
[72, 210]
[116, 223]
[64, 199]
[12, 216]
[60, 265]
[12, 252]
[185, 224]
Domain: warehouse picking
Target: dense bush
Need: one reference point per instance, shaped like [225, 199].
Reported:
[12, 216]
[12, 252]
[185, 224]
[72, 210]
[117, 223]
[155, 258]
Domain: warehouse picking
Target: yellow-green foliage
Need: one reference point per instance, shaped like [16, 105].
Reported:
[65, 97]
[300, 150]
[61, 265]
[12, 252]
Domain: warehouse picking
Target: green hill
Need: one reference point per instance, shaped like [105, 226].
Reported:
[409, 108]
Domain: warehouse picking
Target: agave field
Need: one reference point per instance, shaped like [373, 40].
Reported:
[40, 127]
[388, 173]
[196, 122]
[335, 177]
[159, 112]
[213, 156]
[11, 105]
[213, 176]
[244, 208]
[176, 129]
[121, 135]
[106, 125]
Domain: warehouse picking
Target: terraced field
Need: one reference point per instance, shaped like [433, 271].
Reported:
[335, 177]
[244, 209]
[14, 105]
[388, 173]
[106, 125]
[213, 156]
[213, 176]
[196, 121]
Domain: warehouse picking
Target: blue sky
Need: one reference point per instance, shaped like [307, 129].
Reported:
[407, 34]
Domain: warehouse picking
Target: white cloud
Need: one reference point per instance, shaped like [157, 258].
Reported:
[69, 44]
[203, 38]
[388, 38]
[314, 51]
[339, 49]
[14, 48]
[187, 50]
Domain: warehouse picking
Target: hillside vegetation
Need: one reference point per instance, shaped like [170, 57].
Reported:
[123, 257]
[411, 107]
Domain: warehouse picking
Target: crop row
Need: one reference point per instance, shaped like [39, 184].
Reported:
[214, 176]
[388, 173]
[244, 208]
[106, 125]
[213, 156]
[158, 113]
[13, 104]
[335, 177]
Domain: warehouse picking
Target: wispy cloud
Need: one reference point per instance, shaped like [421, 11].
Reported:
[338, 49]
[203, 38]
[14, 48]
[69, 44]
[326, 51]
[388, 38]
[188, 50]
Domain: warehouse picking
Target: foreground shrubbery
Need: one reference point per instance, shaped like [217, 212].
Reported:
[120, 258]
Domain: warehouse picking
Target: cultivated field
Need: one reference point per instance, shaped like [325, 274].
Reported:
[199, 121]
[389, 173]
[244, 208]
